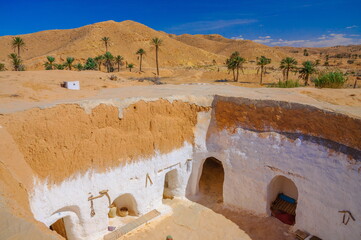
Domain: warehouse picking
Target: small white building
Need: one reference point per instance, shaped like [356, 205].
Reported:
[73, 85]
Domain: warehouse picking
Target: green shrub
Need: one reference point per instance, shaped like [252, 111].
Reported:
[2, 67]
[90, 64]
[59, 66]
[330, 80]
[79, 66]
[286, 84]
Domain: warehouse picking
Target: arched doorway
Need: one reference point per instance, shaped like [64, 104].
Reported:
[170, 184]
[211, 181]
[64, 222]
[59, 228]
[126, 201]
[282, 196]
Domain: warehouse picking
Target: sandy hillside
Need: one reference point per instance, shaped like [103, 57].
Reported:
[223, 46]
[125, 39]
[177, 50]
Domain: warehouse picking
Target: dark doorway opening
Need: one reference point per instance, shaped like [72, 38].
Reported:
[211, 181]
[59, 227]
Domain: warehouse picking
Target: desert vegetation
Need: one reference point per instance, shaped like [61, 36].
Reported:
[288, 64]
[262, 62]
[157, 42]
[106, 43]
[334, 79]
[2, 67]
[16, 62]
[18, 43]
[49, 65]
[140, 54]
[235, 64]
[307, 70]
[238, 65]
[119, 61]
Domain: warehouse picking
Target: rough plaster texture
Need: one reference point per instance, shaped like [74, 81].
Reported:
[327, 179]
[70, 198]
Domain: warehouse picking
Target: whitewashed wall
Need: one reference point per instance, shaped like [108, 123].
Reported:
[327, 181]
[70, 198]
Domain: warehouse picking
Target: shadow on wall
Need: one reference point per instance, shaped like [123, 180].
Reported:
[171, 183]
[126, 200]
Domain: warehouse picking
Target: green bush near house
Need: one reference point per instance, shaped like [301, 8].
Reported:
[330, 80]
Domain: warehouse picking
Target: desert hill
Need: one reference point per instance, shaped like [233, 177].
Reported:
[125, 39]
[178, 50]
[335, 52]
[223, 46]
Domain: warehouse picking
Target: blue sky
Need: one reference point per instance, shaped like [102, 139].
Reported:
[307, 23]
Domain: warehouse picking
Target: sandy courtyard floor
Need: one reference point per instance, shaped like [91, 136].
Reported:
[189, 221]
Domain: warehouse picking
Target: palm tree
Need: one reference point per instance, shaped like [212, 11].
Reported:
[140, 52]
[99, 60]
[79, 66]
[305, 52]
[157, 42]
[119, 60]
[108, 57]
[231, 65]
[50, 63]
[307, 69]
[68, 63]
[130, 66]
[235, 63]
[288, 64]
[238, 61]
[16, 61]
[106, 42]
[18, 43]
[262, 62]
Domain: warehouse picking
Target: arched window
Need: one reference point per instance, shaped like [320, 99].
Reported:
[282, 196]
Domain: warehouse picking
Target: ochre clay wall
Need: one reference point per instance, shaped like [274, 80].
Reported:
[61, 141]
[263, 115]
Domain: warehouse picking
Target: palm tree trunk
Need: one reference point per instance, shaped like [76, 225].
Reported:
[306, 82]
[237, 74]
[140, 63]
[234, 75]
[156, 59]
[118, 66]
[261, 75]
[18, 50]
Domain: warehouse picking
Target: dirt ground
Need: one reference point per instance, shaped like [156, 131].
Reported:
[189, 221]
[44, 86]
